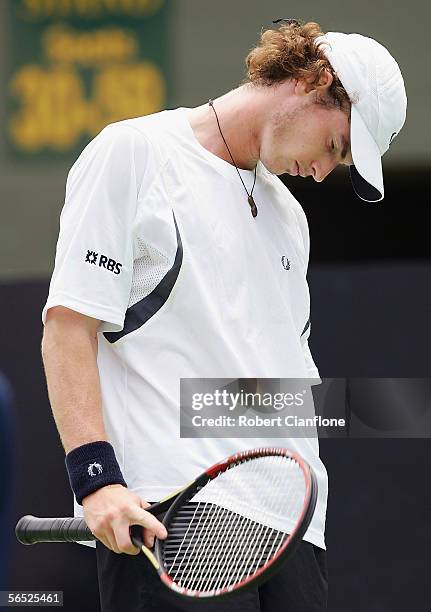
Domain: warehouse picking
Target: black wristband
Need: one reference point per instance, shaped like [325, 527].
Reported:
[91, 467]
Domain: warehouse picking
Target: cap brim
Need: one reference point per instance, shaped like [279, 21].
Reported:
[366, 173]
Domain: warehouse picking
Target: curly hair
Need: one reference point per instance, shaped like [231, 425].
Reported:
[291, 52]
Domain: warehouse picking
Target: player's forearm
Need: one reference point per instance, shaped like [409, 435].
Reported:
[70, 358]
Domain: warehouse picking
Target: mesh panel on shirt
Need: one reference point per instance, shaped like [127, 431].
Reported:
[149, 268]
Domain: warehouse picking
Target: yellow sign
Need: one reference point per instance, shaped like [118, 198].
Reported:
[84, 78]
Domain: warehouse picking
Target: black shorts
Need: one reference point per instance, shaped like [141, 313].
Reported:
[129, 583]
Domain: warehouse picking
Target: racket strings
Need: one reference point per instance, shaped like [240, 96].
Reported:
[235, 525]
[249, 558]
[212, 559]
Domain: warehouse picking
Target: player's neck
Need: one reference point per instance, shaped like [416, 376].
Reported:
[241, 121]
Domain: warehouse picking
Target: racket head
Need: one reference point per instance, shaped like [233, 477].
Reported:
[199, 558]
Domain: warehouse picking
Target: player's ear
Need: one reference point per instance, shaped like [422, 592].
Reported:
[307, 85]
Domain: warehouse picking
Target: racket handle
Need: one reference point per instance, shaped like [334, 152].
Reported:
[31, 529]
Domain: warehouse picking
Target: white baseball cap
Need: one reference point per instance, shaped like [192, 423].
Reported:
[375, 86]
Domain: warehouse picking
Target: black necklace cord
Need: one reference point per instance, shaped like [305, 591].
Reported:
[250, 199]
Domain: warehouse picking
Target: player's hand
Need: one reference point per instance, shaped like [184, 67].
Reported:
[111, 510]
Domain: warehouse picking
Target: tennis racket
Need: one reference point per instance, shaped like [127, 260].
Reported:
[230, 529]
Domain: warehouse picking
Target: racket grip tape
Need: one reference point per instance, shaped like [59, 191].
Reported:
[31, 529]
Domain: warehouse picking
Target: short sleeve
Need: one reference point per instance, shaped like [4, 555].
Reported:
[94, 256]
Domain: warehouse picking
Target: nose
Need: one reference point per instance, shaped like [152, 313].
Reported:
[322, 168]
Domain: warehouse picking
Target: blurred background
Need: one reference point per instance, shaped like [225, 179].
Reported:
[68, 68]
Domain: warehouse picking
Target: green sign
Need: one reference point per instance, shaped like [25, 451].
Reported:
[77, 65]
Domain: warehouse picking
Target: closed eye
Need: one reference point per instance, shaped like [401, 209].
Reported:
[345, 151]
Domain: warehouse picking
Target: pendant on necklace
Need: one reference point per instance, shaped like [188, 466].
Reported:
[252, 206]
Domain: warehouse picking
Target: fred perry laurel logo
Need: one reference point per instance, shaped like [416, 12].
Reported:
[103, 262]
[94, 469]
[285, 263]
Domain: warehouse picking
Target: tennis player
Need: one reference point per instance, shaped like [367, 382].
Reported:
[181, 254]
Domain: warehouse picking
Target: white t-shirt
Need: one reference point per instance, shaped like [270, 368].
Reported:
[158, 242]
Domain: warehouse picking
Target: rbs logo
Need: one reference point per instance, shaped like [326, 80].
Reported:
[104, 262]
